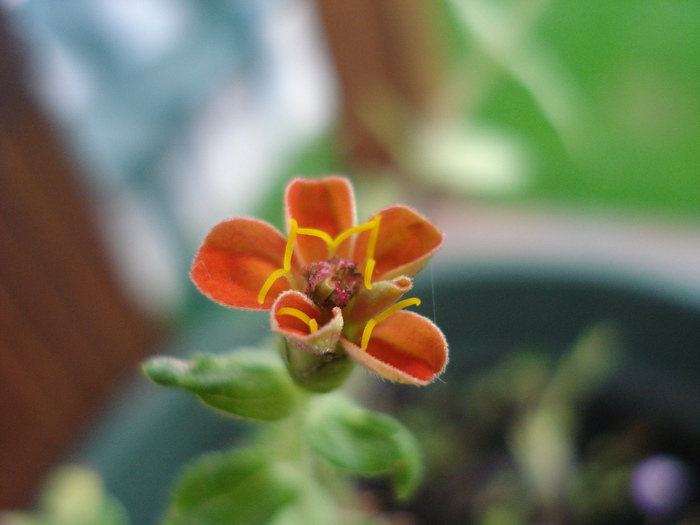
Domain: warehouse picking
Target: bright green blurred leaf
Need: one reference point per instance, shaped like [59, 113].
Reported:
[72, 495]
[314, 506]
[471, 160]
[248, 383]
[365, 442]
[240, 487]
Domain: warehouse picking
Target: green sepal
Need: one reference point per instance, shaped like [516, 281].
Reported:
[239, 487]
[249, 383]
[318, 373]
[364, 442]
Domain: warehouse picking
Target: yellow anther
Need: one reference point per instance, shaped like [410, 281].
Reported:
[369, 265]
[313, 232]
[311, 323]
[351, 231]
[367, 332]
[373, 236]
[289, 249]
[269, 282]
[286, 262]
[369, 268]
[294, 230]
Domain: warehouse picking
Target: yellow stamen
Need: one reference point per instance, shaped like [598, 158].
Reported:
[294, 230]
[289, 249]
[312, 323]
[287, 262]
[351, 231]
[367, 332]
[373, 236]
[369, 265]
[268, 284]
[369, 268]
[313, 232]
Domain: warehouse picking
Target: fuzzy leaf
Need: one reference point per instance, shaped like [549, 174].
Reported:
[247, 383]
[240, 487]
[364, 442]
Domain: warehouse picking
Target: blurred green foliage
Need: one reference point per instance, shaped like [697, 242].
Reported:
[598, 101]
[71, 495]
[606, 95]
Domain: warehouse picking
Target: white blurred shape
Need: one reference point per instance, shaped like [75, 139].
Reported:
[144, 30]
[660, 485]
[250, 129]
[63, 81]
[298, 56]
[12, 4]
[141, 249]
[471, 160]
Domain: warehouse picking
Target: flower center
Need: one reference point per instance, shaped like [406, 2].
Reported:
[294, 230]
[332, 283]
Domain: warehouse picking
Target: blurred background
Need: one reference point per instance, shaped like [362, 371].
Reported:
[556, 142]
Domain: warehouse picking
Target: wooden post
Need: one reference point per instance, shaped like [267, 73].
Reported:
[68, 332]
[387, 62]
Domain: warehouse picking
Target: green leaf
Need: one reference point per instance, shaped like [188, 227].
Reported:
[314, 506]
[71, 495]
[249, 383]
[239, 487]
[365, 442]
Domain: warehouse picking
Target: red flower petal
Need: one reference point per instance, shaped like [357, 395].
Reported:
[405, 243]
[405, 347]
[236, 259]
[298, 332]
[370, 303]
[328, 205]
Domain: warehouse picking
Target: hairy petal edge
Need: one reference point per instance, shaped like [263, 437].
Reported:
[235, 260]
[370, 303]
[405, 243]
[322, 340]
[405, 347]
[327, 205]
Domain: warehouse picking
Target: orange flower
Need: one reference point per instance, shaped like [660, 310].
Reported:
[332, 286]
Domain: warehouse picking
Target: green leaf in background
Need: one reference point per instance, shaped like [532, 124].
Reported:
[313, 506]
[364, 442]
[248, 383]
[72, 495]
[239, 487]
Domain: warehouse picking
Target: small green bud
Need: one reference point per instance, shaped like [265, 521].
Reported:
[317, 372]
